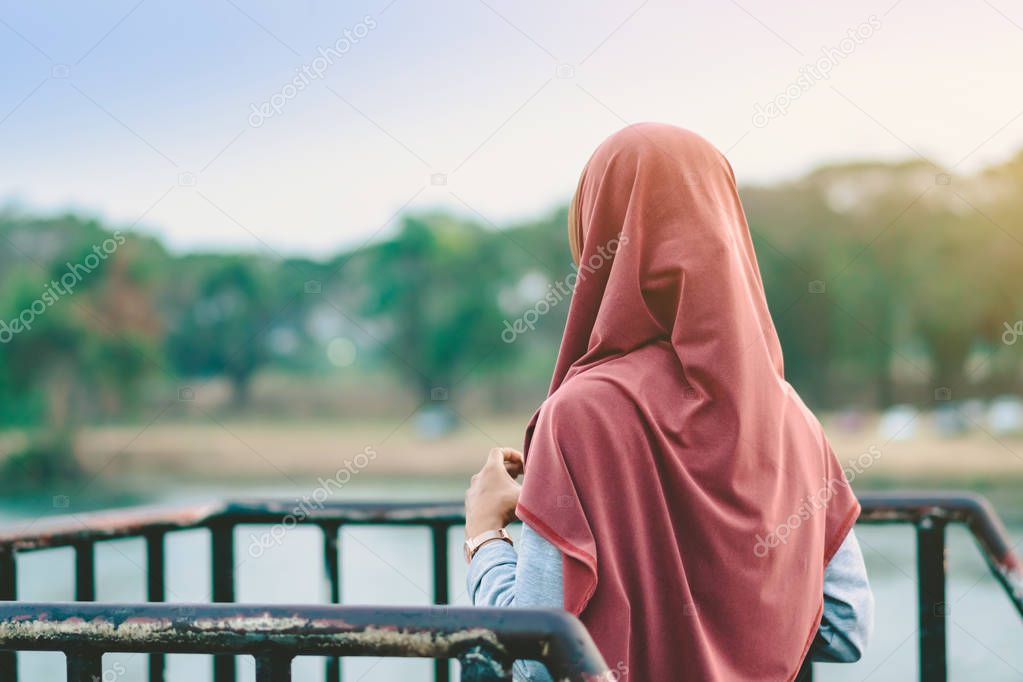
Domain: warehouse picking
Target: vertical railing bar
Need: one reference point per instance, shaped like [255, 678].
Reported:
[84, 665]
[439, 532]
[85, 571]
[222, 573]
[156, 591]
[930, 534]
[273, 668]
[332, 567]
[8, 592]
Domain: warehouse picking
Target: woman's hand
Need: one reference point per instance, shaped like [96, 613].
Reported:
[493, 493]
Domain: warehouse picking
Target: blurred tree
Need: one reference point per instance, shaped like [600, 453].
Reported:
[435, 287]
[82, 334]
[222, 330]
[882, 278]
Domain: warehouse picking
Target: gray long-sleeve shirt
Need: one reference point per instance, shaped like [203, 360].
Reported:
[531, 578]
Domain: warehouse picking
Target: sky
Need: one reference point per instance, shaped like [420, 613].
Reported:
[305, 127]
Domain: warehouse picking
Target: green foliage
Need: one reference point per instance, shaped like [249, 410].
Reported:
[222, 329]
[77, 330]
[869, 268]
[909, 260]
[435, 284]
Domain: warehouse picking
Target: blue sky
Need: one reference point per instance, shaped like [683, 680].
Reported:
[140, 112]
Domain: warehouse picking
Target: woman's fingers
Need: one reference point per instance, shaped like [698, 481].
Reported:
[509, 459]
[493, 494]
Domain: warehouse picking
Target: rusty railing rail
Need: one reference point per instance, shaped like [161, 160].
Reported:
[485, 641]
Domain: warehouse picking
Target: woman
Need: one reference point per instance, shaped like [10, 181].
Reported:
[677, 494]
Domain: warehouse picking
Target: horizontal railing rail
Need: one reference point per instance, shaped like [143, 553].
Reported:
[929, 513]
[485, 641]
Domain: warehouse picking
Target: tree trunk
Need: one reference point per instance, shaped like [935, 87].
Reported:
[948, 357]
[241, 390]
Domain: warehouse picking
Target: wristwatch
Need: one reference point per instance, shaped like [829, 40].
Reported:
[473, 544]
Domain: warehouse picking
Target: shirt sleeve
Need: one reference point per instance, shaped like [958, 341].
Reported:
[498, 576]
[848, 618]
[530, 578]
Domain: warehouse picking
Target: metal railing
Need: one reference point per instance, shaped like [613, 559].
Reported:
[485, 641]
[929, 513]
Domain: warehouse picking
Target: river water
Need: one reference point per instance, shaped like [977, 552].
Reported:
[391, 566]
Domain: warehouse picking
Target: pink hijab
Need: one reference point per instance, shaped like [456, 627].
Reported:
[693, 495]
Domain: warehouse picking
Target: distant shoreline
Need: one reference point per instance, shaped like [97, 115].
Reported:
[298, 456]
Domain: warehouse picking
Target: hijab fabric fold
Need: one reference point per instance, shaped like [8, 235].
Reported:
[694, 497]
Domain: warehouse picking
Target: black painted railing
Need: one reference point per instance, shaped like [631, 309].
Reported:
[484, 640]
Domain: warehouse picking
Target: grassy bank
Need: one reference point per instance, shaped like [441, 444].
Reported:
[255, 450]
[294, 454]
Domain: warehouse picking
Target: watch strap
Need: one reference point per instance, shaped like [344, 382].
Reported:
[473, 544]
